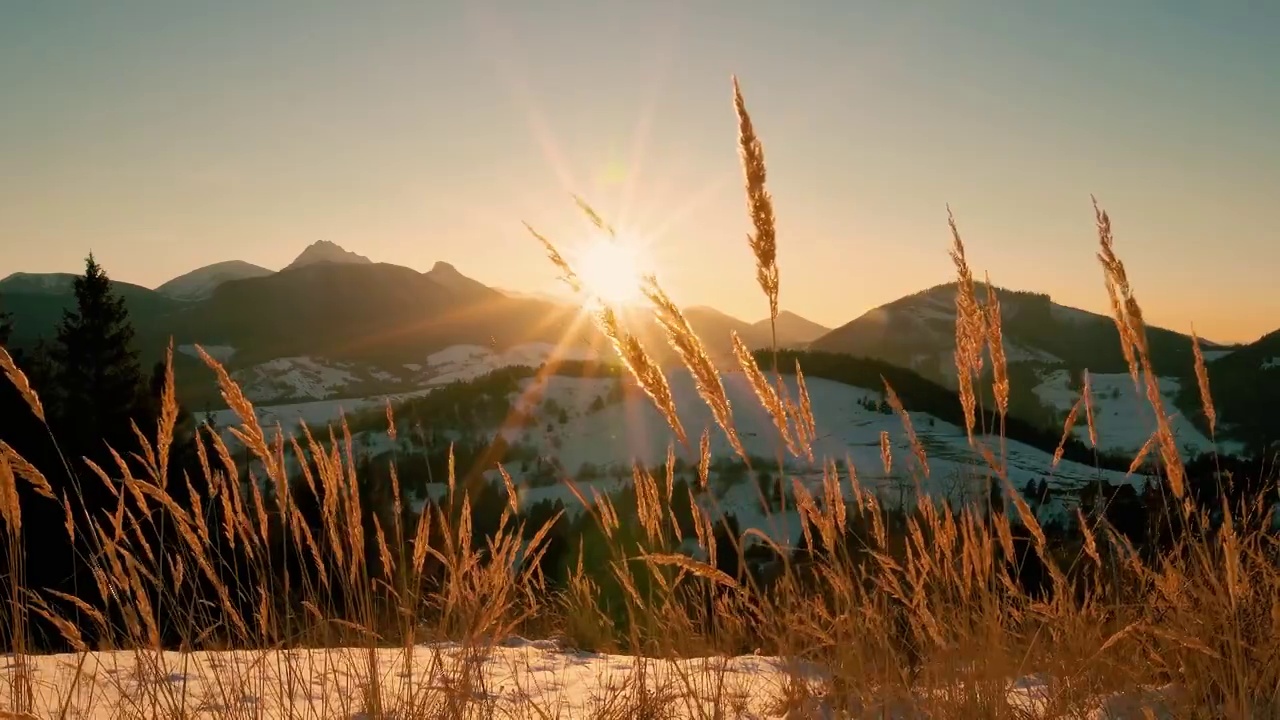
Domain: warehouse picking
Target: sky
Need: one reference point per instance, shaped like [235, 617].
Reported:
[166, 136]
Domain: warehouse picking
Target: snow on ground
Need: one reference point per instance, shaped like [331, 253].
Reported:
[1122, 416]
[221, 353]
[317, 412]
[633, 430]
[1271, 363]
[514, 678]
[620, 433]
[294, 377]
[297, 378]
[468, 362]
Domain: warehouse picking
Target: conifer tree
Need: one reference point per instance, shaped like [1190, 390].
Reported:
[97, 370]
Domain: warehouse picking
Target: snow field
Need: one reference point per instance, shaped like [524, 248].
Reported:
[1123, 418]
[515, 678]
[619, 434]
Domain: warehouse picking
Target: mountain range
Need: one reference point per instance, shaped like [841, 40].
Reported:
[339, 304]
[333, 303]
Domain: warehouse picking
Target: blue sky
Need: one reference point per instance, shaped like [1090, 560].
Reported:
[165, 136]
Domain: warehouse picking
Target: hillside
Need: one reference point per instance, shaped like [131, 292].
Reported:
[1246, 391]
[201, 282]
[918, 331]
[1046, 345]
[593, 426]
[342, 310]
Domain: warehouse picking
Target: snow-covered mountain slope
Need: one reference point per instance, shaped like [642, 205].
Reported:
[590, 428]
[633, 431]
[201, 282]
[326, 251]
[294, 377]
[1123, 418]
[577, 428]
[461, 363]
[320, 390]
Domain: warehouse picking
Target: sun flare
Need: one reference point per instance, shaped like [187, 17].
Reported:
[612, 270]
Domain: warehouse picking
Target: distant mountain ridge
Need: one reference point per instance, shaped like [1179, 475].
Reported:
[38, 283]
[330, 302]
[234, 301]
[793, 331]
[918, 331]
[201, 282]
[37, 302]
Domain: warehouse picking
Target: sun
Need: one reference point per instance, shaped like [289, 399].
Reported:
[612, 270]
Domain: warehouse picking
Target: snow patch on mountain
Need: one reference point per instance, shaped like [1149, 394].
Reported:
[304, 388]
[290, 416]
[1123, 418]
[576, 423]
[1271, 363]
[633, 431]
[294, 377]
[468, 362]
[574, 432]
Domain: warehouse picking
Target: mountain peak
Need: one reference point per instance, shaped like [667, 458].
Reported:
[793, 329]
[330, 252]
[446, 275]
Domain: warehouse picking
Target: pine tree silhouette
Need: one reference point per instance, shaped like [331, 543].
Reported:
[97, 372]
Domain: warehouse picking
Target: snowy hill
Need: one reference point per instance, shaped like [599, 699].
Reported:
[201, 282]
[318, 390]
[1122, 416]
[594, 428]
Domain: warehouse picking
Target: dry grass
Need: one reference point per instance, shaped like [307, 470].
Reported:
[889, 615]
